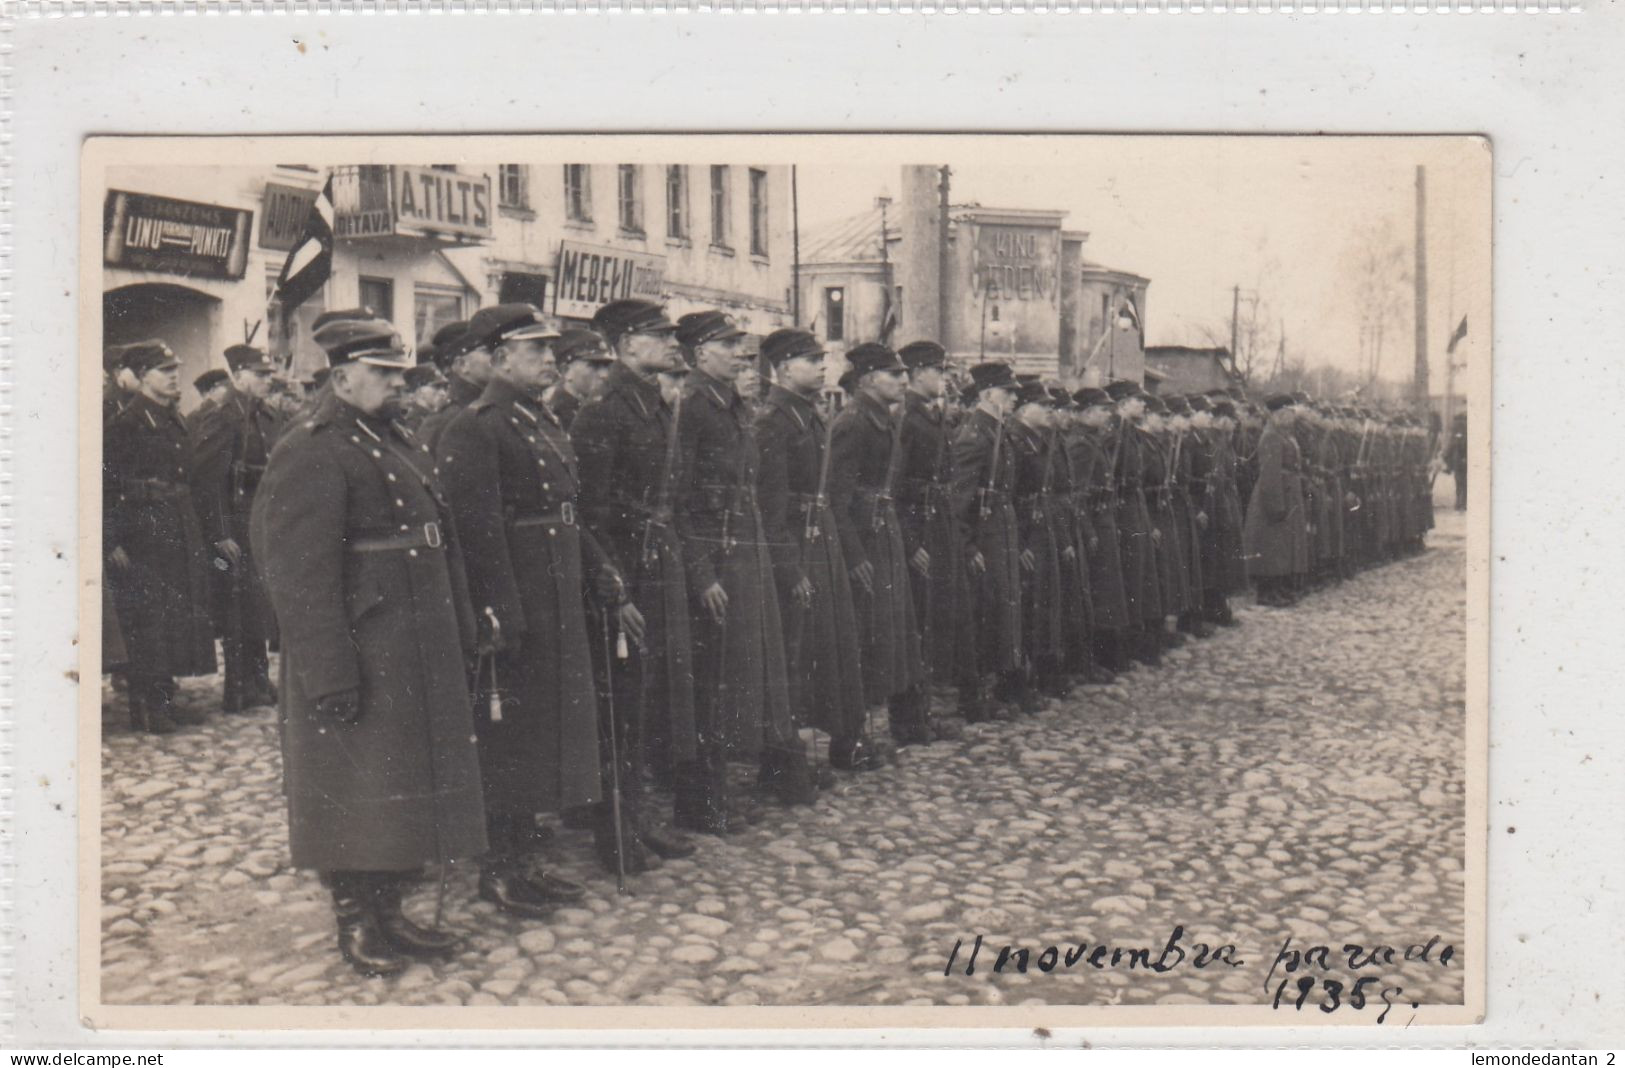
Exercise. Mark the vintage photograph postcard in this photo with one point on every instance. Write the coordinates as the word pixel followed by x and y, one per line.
pixel 818 581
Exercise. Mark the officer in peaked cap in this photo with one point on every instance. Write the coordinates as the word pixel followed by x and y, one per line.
pixel 865 460
pixel 627 445
pixel 512 478
pixel 985 469
pixel 466 363
pixel 158 568
pixel 358 552
pixel 584 361
pixel 230 446
pixel 742 698
pixel 212 386
pixel 1092 445
pixel 815 596
pixel 933 538
pixel 426 393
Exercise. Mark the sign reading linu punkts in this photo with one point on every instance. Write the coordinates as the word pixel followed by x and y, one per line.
pixel 590 276
pixel 152 233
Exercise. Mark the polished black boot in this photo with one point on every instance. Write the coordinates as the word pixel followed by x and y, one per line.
pixel 906 713
pixel 504 885
pixel 700 800
pixel 361 937
pixel 149 712
pixel 666 842
pixel 398 928
pixel 852 754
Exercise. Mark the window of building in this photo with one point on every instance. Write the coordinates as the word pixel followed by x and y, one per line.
pixel 677 223
pixel 628 202
pixel 434 307
pixel 301 353
pixel 379 295
pixel 513 185
pixel 758 212
pixel 523 287
pixel 835 313
pixel 720 201
pixel 578 192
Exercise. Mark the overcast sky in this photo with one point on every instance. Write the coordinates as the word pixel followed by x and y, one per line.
pixel 1276 216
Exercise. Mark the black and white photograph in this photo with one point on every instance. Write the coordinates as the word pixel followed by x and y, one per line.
pixel 899 578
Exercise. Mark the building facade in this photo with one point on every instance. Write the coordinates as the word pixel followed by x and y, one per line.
pixel 993 284
pixel 1181 369
pixel 192 254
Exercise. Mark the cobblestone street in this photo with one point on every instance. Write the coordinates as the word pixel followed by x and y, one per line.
pixel 1299 775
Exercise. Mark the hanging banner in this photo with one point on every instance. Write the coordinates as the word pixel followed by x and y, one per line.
pixel 283 215
pixel 590 276
pixel 152 233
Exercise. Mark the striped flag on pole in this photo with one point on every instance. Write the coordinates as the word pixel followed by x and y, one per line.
pixel 1457 337
pixel 310 260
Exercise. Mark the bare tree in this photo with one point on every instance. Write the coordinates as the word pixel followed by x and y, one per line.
pixel 1377 264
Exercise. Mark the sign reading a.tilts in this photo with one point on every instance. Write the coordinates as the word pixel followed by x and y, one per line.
pixel 590 276
pixel 151 233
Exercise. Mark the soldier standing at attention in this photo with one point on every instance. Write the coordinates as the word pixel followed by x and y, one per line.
pixel 212 386
pixel 985 469
pixel 933 537
pixel 511 477
pixel 1276 524
pixel 1042 630
pixel 627 446
pixel 155 546
pixel 1092 445
pixel 425 395
pixel 865 458
pixel 230 447
pixel 820 623
pixel 1137 537
pixel 741 686
pixel 379 756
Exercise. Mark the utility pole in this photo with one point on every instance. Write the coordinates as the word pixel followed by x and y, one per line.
pixel 943 259
pixel 1235 313
pixel 1420 386
pixel 795 251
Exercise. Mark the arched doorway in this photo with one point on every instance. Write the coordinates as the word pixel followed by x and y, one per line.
pixel 185 318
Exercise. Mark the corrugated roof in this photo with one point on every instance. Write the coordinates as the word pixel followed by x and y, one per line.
pixel 854 239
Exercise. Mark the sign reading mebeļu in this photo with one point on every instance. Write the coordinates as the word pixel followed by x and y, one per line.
pixel 590 276
pixel 152 233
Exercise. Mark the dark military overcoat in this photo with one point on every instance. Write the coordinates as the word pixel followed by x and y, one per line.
pixel 820 639
pixel 1043 626
pixel 943 605
pixel 147 510
pixel 621 442
pixel 1142 577
pixel 1096 494
pixel 862 481
pixel 230 444
pixel 361 561
pixel 984 495
pixel 742 695
pixel 510 476
pixel 1274 538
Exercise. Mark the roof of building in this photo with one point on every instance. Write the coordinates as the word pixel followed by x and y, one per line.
pixel 1160 352
pixel 854 239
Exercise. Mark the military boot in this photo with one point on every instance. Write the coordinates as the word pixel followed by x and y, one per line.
pixel 398 928
pixel 362 940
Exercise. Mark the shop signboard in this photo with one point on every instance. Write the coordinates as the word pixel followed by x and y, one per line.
pixel 590 276
pixel 183 237
pixel 1016 263
pixel 430 201
pixel 283 214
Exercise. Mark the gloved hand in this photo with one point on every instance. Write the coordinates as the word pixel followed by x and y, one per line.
pixel 609 587
pixel 341 707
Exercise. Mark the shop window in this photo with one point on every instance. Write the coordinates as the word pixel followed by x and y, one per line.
pixel 379 295
pixel 293 347
pixel 434 308
pixel 578 192
pixel 677 225
pixel 758 212
pixel 835 313
pixel 521 287
pixel 720 201
pixel 628 202
pixel 513 185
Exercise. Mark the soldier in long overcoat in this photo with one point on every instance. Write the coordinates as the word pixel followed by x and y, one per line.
pixel 1090 445
pixel 865 459
pixel 511 477
pixel 1275 530
pixel 156 552
pixel 741 684
pixel 815 595
pixel 356 546
pixel 1189 517
pixel 933 539
pixel 1043 623
pixel 230 446
pixel 984 494
pixel 626 445
pixel 467 368
pixel 1142 576
pixel 1224 572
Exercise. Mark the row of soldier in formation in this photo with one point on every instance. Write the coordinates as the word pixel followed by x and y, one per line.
pixel 574 588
